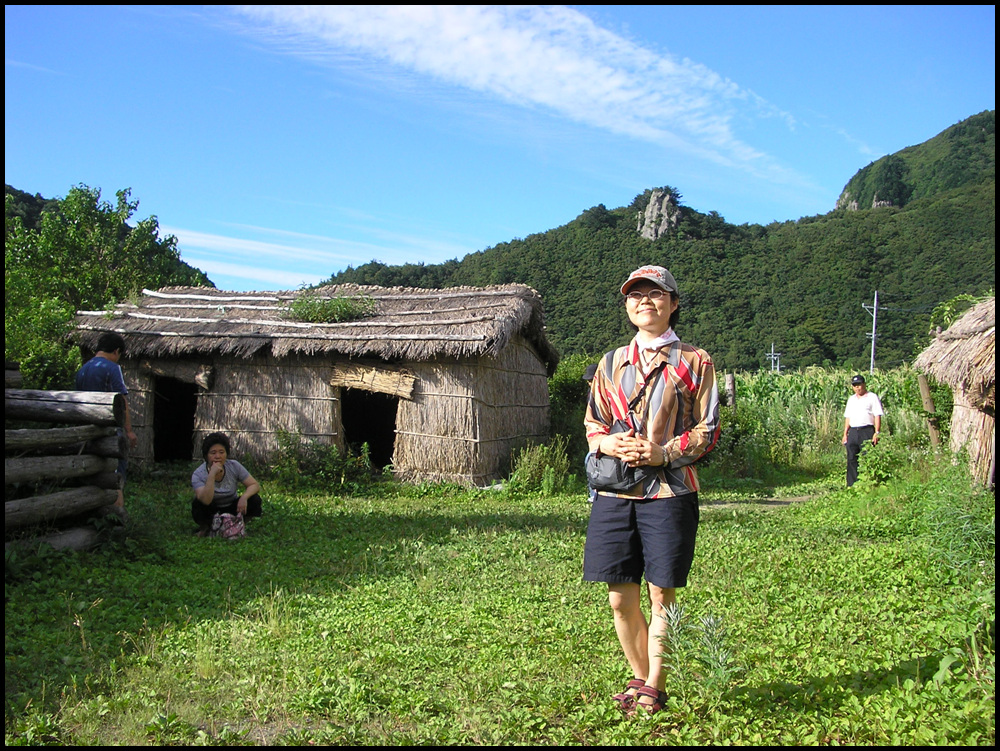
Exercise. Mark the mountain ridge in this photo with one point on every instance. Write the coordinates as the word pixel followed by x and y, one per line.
pixel 799 284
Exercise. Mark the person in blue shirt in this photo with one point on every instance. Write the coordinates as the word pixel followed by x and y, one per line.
pixel 103 373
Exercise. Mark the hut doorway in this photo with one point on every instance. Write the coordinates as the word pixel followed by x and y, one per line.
pixel 174 403
pixel 369 417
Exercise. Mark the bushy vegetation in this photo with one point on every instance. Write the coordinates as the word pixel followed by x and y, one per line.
pixel 303 464
pixel 782 423
pixel 542 468
pixel 312 307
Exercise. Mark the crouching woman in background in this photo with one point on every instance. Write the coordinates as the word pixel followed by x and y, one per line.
pixel 216 485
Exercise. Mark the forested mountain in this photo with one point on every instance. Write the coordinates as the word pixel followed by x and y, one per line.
pixel 800 285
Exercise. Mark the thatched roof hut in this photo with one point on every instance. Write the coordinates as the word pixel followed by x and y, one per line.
pixel 964 357
pixel 441 383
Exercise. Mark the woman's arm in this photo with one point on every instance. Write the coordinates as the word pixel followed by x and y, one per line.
pixel 697 441
pixel 251 487
pixel 206 493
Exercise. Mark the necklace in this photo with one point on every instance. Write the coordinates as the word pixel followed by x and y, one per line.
pixel 646 357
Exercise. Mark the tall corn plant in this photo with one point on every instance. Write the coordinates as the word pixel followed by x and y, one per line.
pixel 781 419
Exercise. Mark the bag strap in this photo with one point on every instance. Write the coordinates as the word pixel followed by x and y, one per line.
pixel 652 377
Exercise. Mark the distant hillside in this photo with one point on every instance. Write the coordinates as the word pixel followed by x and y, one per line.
pixel 800 285
pixel 28 207
pixel 962 155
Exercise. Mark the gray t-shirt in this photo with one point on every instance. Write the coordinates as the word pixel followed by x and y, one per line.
pixel 227 490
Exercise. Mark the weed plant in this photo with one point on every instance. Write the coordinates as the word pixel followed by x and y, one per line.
pixel 542 468
pixel 311 307
pixel 300 463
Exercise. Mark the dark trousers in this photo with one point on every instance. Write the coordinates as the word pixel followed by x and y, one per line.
pixel 856 440
pixel 203 514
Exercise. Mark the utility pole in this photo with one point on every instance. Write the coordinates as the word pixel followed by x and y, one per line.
pixel 873 309
pixel 775 360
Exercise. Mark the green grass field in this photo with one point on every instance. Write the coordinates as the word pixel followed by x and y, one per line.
pixel 436 615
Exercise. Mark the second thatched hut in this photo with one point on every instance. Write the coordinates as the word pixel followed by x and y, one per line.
pixel 441 384
pixel 964 357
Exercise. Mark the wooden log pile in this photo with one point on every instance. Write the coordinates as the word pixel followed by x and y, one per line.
pixel 77 452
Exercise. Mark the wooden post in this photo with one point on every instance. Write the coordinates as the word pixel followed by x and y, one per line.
pixel 112 445
pixel 33 439
pixel 731 390
pixel 925 396
pixel 46 508
pixel 76 407
pixel 41 468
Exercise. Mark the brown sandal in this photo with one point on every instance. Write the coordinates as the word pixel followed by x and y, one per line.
pixel 659 700
pixel 626 700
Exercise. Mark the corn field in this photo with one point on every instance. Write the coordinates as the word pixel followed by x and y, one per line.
pixel 779 421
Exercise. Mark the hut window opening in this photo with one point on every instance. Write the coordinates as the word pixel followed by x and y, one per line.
pixel 174 404
pixel 369 417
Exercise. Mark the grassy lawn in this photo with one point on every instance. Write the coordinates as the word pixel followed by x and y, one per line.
pixel 434 615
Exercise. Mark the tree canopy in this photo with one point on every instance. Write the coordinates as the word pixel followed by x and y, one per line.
pixel 76 253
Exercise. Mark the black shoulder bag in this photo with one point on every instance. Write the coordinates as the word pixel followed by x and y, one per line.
pixel 606 472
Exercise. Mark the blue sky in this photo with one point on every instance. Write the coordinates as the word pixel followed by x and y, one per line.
pixel 282 144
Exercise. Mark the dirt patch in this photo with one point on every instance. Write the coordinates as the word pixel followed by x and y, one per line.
pixel 757 503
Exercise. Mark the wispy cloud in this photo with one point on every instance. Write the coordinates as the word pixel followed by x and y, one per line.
pixel 555 58
pixel 262 277
pixel 17 64
pixel 299 258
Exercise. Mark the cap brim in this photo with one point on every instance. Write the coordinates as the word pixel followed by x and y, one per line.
pixel 631 282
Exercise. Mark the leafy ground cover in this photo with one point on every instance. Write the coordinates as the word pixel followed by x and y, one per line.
pixel 436 615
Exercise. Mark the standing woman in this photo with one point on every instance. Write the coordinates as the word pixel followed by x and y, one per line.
pixel 649 531
pixel 216 485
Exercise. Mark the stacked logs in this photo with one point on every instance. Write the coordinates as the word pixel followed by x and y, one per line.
pixel 84 449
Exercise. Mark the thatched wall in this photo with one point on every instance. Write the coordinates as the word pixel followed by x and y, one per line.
pixel 461 423
pixel 964 357
pixel 974 431
pixel 467 416
pixel 250 400
pixel 253 399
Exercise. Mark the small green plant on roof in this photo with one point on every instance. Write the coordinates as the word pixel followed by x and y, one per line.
pixel 313 308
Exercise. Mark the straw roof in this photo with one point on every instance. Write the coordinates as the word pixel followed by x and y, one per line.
pixel 964 356
pixel 408 324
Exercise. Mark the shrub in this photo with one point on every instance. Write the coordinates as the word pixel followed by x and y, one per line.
pixel 314 308
pixel 542 468
pixel 568 403
pixel 881 462
pixel 299 462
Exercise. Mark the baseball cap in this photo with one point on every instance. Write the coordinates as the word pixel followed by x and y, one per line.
pixel 857 379
pixel 655 274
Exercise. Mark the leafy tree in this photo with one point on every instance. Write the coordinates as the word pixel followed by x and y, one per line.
pixel 81 254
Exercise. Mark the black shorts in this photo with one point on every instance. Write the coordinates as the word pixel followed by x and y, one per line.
pixel 629 538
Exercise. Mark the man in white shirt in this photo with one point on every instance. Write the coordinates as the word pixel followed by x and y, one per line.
pixel 862 423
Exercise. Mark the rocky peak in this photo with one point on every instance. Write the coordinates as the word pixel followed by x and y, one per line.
pixel 661 215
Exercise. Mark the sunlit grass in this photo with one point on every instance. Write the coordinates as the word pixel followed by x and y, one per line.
pixel 433 615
